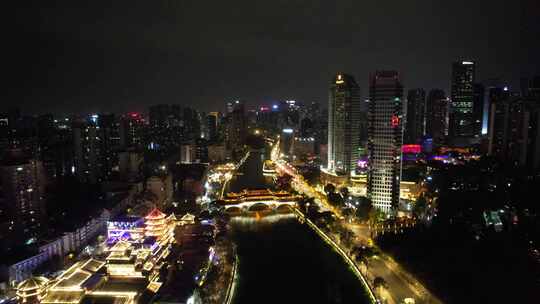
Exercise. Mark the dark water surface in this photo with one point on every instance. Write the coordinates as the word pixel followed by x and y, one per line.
pixel 250 174
pixel 284 261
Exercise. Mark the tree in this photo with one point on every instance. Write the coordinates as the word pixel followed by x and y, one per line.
pixel 379 282
pixel 335 199
pixel 420 206
pixel 307 205
pixel 363 209
pixel 376 216
pixel 329 188
pixel 344 192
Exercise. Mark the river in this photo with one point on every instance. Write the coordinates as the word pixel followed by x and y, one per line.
pixel 283 261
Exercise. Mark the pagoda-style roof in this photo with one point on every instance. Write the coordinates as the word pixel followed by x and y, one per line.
pixel 155 214
pixel 188 217
pixel 120 246
pixel 92 265
pixel 32 283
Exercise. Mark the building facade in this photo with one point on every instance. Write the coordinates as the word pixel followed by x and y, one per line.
pixel 22 181
pixel 344 114
pixel 385 139
pixel 514 131
pixel 131 130
pixel 415 117
pixel 237 128
pixel 478 108
pixel 462 100
pixel 437 116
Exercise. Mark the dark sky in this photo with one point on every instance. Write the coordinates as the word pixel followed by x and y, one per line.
pixel 82 56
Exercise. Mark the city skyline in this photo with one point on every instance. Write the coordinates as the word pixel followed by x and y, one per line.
pixel 89 60
pixel 270 152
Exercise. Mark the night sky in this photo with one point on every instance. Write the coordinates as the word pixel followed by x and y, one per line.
pixel 98 56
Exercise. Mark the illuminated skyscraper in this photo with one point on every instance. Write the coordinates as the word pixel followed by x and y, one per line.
pixel 384 139
pixel 416 106
pixel 343 124
pixel 462 100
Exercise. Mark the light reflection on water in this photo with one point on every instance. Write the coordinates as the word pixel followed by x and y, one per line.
pixel 254 222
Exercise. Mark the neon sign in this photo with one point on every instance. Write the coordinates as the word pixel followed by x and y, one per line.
pixel 395 121
pixel 415 149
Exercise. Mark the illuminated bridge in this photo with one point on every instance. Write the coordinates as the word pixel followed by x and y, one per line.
pixel 261 201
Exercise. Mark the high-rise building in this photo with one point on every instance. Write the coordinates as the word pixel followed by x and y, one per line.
pixel 285 141
pixel 436 116
pixel 462 100
pixel 385 139
pixel 212 120
pixel 88 153
pixel 416 107
pixel 195 151
pixel 499 110
pixel 159 115
pixel 237 130
pixel 530 87
pixel 343 124
pixel 514 131
pixel 129 165
pixel 191 122
pixel 131 130
pixel 109 133
pixel 267 118
pixel 23 207
pixel 478 108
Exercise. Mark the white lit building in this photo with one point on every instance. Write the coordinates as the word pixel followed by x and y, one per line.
pixel 385 135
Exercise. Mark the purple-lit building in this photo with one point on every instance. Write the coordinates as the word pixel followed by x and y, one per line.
pixel 126 228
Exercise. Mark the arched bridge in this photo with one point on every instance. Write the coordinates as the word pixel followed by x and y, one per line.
pixel 249 201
